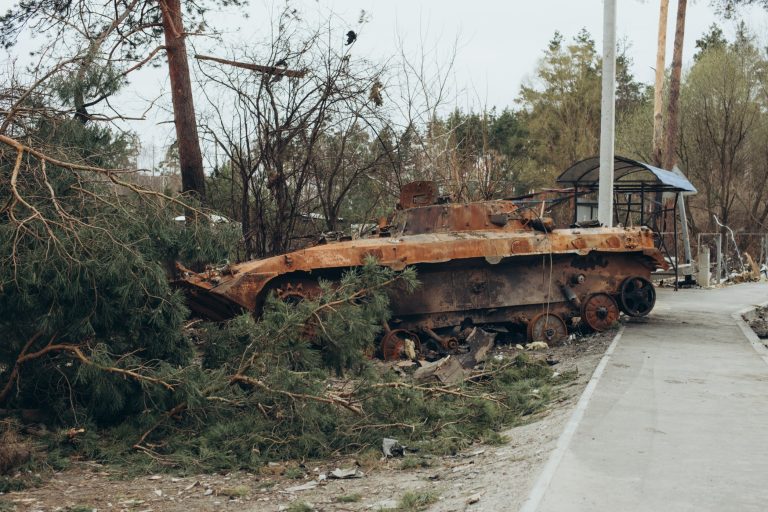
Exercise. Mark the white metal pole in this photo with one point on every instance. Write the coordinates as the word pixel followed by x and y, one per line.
pixel 607 116
pixel 684 228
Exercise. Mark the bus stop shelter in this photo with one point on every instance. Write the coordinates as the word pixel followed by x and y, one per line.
pixel 643 195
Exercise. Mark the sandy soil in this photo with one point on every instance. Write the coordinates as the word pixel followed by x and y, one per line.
pixel 482 478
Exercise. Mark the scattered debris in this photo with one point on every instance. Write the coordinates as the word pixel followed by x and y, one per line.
pixel 480 343
pixel 385 481
pixel 130 503
pixel 346 473
pixel 474 498
pixel 755 274
pixel 303 487
pixel 392 447
pixel 447 370
pixel 74 432
pixel 463 467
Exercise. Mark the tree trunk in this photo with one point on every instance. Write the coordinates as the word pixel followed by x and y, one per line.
pixel 673 108
pixel 190 157
pixel 658 95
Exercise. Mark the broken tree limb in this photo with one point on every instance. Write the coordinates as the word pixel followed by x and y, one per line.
pixel 269 70
pixel 110 174
pixel 17 366
pixel 77 352
pixel 330 399
pixel 176 410
pixel 438 390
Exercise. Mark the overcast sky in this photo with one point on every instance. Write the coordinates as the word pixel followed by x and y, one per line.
pixel 500 42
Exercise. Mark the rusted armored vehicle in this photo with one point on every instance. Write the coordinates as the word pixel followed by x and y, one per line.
pixel 479 263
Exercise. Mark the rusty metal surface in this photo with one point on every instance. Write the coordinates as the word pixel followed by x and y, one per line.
pixel 418 193
pixel 600 311
pixel 549 328
pixel 486 262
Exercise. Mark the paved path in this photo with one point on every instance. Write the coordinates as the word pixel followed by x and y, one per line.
pixel 678 420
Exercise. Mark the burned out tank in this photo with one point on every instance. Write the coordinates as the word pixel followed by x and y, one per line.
pixel 479 263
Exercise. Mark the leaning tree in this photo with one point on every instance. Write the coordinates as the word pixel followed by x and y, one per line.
pixel 96 45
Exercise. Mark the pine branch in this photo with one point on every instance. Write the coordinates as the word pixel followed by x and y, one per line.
pixel 17 366
pixel 109 173
pixel 76 351
pixel 329 399
pixel 439 390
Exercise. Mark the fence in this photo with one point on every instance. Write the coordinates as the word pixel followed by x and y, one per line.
pixel 730 252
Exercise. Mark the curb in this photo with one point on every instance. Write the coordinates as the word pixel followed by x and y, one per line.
pixel 756 342
pixel 544 479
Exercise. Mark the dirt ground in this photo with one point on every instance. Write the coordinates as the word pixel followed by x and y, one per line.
pixel 482 478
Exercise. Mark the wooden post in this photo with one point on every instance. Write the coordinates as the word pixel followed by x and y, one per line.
pixel 765 259
pixel 719 258
pixel 765 244
pixel 703 277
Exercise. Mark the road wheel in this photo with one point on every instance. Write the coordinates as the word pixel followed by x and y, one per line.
pixel 599 312
pixel 548 327
pixel 400 344
pixel 637 296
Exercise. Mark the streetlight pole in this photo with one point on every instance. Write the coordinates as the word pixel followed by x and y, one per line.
pixel 607 115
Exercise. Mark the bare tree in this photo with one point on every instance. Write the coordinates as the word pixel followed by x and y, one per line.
pixel 292 139
pixel 721 136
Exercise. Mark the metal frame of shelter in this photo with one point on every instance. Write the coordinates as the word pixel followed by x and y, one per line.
pixel 638 188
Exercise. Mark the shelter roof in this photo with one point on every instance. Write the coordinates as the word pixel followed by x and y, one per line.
pixel 629 176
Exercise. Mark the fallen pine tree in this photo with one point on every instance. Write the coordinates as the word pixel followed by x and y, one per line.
pixel 96 362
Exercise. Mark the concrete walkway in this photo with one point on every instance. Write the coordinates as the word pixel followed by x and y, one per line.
pixel 678 420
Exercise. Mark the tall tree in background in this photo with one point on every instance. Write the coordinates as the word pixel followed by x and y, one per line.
pixel 100 44
pixel 673 107
pixel 711 40
pixel 486 153
pixel 190 156
pixel 658 91
pixel 561 108
pixel 729 7
pixel 724 133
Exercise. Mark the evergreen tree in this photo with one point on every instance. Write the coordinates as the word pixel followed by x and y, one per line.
pixel 89 318
pixel 713 39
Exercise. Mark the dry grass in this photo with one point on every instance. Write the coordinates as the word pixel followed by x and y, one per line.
pixel 14 452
